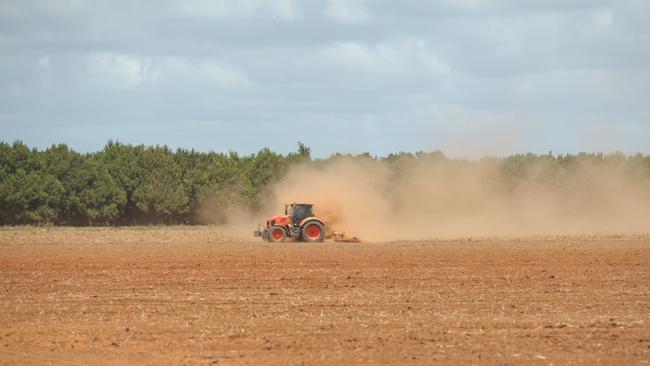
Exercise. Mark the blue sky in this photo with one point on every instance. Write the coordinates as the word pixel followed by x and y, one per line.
pixel 469 77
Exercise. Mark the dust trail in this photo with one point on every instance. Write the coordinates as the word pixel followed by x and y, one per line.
pixel 426 198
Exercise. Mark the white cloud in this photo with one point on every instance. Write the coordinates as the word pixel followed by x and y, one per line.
pixel 119 71
pixel 348 11
pixel 603 18
pixel 123 71
pixel 50 8
pixel 402 57
pixel 44 62
pixel 223 9
pixel 287 9
pixel 183 71
pixel 554 60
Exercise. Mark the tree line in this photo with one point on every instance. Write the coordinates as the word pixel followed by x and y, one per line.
pixel 127 184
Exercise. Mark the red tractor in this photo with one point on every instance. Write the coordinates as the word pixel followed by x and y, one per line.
pixel 297 222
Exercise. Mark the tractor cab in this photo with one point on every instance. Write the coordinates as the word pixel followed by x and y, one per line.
pixel 298 212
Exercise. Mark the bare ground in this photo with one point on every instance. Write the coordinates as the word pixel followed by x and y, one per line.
pixel 201 296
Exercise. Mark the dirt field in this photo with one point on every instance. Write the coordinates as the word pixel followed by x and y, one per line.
pixel 200 296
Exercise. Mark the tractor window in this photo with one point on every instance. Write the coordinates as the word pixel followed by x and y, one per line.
pixel 300 212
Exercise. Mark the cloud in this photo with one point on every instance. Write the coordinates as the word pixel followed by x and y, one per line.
pixel 603 18
pixel 233 9
pixel 348 11
pixel 51 8
pixel 390 72
pixel 401 58
pixel 119 71
pixel 123 71
pixel 44 62
pixel 183 71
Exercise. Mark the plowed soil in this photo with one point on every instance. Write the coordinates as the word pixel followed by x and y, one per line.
pixel 200 296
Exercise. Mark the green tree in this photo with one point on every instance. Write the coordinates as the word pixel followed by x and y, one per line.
pixel 261 171
pixel 101 199
pixel 30 198
pixel 218 184
pixel 126 166
pixel 161 197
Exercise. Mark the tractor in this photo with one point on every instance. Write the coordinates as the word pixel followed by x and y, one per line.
pixel 297 222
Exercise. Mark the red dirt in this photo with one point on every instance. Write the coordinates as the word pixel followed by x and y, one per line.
pixel 197 296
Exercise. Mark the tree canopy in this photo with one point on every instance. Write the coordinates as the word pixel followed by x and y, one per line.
pixel 125 184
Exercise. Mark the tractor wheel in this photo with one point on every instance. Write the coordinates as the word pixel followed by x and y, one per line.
pixel 313 231
pixel 277 234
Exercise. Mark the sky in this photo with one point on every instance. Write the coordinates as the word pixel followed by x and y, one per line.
pixel 468 77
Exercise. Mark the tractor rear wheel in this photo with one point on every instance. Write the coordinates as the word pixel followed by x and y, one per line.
pixel 277 234
pixel 313 231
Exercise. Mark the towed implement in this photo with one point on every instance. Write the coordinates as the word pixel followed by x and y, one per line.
pixel 298 222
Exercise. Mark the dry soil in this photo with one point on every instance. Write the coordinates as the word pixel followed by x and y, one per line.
pixel 197 295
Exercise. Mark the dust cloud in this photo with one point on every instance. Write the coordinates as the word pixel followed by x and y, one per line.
pixel 442 198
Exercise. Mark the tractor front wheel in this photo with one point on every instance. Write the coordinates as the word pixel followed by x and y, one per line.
pixel 277 234
pixel 313 231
